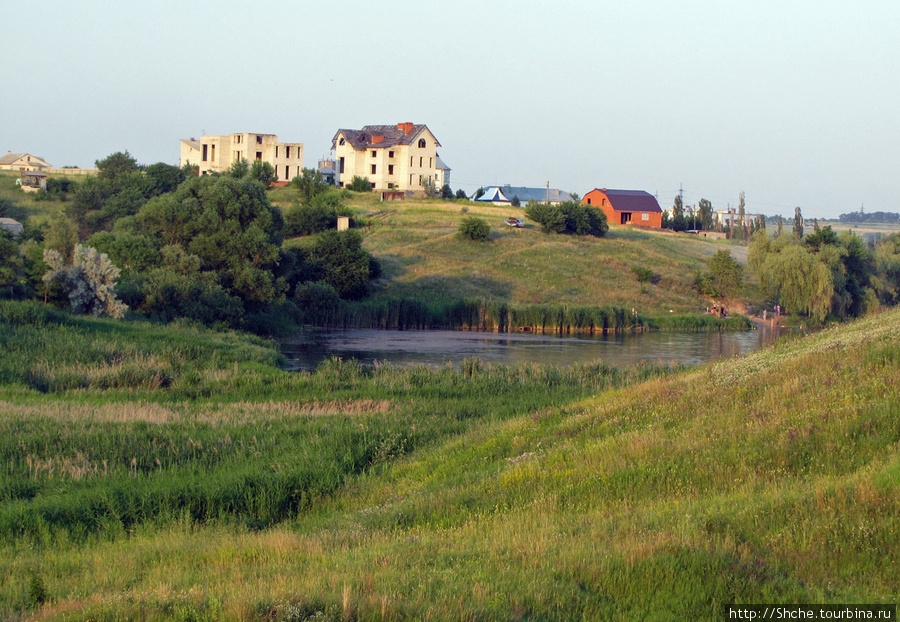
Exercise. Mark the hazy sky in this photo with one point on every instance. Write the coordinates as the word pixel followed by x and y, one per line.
pixel 794 102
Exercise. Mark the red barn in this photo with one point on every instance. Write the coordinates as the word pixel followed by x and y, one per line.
pixel 626 207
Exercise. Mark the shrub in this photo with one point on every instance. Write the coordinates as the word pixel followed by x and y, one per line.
pixel 90 280
pixel 474 228
pixel 568 217
pixel 319 215
pixel 360 184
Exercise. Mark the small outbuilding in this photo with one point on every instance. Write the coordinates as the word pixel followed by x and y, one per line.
pixel 32 181
pixel 626 207
pixel 13 226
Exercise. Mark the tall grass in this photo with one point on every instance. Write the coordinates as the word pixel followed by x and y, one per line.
pixel 238 439
pixel 471 493
pixel 498 316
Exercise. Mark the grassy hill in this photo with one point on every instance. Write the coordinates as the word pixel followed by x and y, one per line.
pixel 547 495
pixel 422 256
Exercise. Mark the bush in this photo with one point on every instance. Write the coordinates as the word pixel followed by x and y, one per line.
pixel 568 217
pixel 474 228
pixel 360 184
pixel 338 259
pixel 319 215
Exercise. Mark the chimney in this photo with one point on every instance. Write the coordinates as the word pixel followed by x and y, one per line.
pixel 377 139
pixel 406 127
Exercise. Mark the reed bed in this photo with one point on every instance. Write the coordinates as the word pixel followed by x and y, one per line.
pixel 495 316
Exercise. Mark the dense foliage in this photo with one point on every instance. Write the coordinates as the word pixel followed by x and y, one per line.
pixel 568 217
pixel 823 273
pixel 208 248
pixel 360 184
pixel 474 228
pixel 724 279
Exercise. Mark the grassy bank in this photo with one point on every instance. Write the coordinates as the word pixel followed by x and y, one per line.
pixel 473 494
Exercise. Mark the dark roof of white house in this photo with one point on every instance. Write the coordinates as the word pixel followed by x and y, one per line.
pixel 390 135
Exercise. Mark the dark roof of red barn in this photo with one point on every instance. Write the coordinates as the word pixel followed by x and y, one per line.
pixel 631 200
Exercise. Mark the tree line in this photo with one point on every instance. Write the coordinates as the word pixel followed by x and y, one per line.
pixel 166 243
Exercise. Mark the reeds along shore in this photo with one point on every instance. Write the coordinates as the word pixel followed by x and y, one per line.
pixel 491 316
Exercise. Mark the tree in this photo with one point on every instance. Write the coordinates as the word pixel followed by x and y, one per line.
pixel 461 194
pixel 742 213
pixel 798 223
pixel 263 172
pixel 62 235
pixel 479 193
pixel 677 221
pixel 239 169
pixel 446 192
pixel 727 275
pixel 474 228
pixel 229 224
pixel 310 183
pixel 338 259
pixel 116 165
pixel 89 280
pixel 515 201
pixel 10 263
pixel 430 188
pixel 360 184
pixel 163 178
pixel 705 213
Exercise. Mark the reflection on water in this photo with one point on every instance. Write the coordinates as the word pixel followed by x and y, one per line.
pixel 442 347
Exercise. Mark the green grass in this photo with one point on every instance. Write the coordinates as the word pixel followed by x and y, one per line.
pixel 480 493
pixel 424 257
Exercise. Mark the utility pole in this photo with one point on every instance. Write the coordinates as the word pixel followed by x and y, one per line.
pixel 548 193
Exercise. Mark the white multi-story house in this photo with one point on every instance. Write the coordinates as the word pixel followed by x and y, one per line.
pixel 218 153
pixel 400 157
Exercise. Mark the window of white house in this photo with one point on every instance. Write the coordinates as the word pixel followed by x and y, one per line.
pixel 390 154
pixel 287 152
pixel 421 143
pixel 373 169
pixel 374 153
pixel 259 155
pixel 276 151
pixel 420 161
pixel 645 216
pixel 259 140
pixel 341 142
pixel 390 169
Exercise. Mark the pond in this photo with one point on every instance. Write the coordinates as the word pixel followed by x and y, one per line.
pixel 438 347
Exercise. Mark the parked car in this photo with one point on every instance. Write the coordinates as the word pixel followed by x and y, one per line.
pixel 515 222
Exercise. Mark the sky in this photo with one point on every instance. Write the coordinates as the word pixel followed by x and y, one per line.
pixel 793 102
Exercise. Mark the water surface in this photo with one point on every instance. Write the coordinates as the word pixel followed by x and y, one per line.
pixel 438 347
